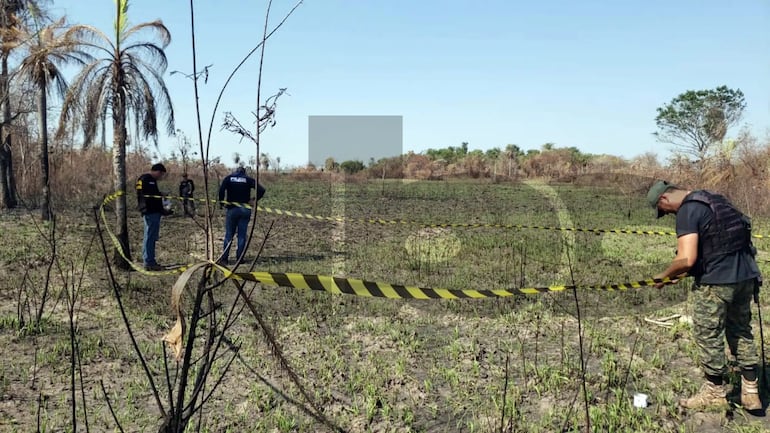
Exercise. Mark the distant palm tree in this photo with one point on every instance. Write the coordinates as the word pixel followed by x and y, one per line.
pixel 125 78
pixel 48 49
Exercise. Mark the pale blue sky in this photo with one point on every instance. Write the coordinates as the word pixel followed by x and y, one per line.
pixel 585 73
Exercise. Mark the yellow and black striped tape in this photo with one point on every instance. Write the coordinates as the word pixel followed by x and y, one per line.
pixel 461 225
pixel 441 225
pixel 357 287
pixel 373 289
pixel 119 247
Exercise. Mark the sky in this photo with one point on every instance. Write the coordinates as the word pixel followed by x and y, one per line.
pixel 588 74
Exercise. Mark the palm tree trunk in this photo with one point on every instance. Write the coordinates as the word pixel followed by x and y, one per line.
pixel 42 114
pixel 7 179
pixel 119 176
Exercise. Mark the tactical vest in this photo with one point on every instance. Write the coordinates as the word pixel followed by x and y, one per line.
pixel 730 230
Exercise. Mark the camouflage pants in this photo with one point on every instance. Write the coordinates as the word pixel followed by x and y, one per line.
pixel 719 312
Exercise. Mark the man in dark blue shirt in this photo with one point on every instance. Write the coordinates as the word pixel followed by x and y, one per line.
pixel 236 191
pixel 151 206
pixel 714 246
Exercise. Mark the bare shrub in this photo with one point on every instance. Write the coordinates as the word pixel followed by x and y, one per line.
pixel 78 176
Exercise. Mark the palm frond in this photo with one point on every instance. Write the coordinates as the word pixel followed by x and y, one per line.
pixel 12 37
pixel 98 91
pixel 153 30
pixel 59 82
pixel 73 105
pixel 141 103
pixel 148 53
pixel 150 80
pixel 91 39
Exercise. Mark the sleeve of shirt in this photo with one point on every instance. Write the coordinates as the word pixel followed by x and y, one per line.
pixel 691 217
pixel 222 188
pixel 192 186
pixel 141 200
pixel 260 191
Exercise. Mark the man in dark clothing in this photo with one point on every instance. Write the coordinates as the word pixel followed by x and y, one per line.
pixel 714 246
pixel 151 207
pixel 186 189
pixel 237 187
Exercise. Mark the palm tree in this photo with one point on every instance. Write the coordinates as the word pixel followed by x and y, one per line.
pixel 10 11
pixel 47 50
pixel 125 78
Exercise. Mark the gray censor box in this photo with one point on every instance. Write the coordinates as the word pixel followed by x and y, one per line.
pixel 354 138
pixel 350 138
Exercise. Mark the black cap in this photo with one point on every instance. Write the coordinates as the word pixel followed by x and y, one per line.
pixel 158 167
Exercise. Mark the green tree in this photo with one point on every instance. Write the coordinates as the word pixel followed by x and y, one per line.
pixel 351 167
pixel 696 119
pixel 493 153
pixel 577 157
pixel 126 81
pixel 532 152
pixel 449 154
pixel 48 50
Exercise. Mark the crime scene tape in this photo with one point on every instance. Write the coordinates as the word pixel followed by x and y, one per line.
pixel 373 289
pixel 357 287
pixel 119 248
pixel 436 225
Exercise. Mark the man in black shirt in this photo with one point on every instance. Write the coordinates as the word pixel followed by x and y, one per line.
pixel 237 187
pixel 151 207
pixel 186 189
pixel 714 246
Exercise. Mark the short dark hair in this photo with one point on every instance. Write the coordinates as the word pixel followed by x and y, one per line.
pixel 158 167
